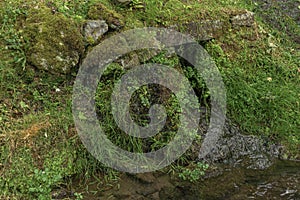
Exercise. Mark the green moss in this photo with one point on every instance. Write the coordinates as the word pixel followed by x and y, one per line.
pixel 55 41
pixel 112 18
pixel 170 12
pixel 131 21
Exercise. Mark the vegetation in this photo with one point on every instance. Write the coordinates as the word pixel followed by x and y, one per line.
pixel 194 174
pixel 39 148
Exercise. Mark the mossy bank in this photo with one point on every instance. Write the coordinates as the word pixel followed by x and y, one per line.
pixel 42 45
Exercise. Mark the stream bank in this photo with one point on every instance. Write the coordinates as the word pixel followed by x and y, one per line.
pixel 42 45
pixel 280 181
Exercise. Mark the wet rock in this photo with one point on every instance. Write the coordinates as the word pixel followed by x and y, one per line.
pixel 94 29
pixel 235 148
pixel 56 41
pixel 245 19
pixel 259 161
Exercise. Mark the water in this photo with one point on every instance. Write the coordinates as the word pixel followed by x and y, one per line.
pixel 280 181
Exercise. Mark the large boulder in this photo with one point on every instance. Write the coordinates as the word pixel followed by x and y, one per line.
pixel 55 41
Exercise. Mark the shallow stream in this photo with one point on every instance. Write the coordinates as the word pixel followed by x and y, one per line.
pixel 280 181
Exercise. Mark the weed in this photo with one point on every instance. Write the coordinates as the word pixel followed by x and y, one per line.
pixel 193 173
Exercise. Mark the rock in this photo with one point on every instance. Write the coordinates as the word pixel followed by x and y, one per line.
pixel 137 57
pixel 56 43
pixel 100 12
pixel 236 149
pixel 205 29
pixel 259 161
pixel 245 19
pixel 94 29
pixel 129 61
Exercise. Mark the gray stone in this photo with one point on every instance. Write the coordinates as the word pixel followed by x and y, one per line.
pixel 245 19
pixel 129 61
pixel 259 161
pixel 205 29
pixel 234 148
pixel 94 29
pixel 136 58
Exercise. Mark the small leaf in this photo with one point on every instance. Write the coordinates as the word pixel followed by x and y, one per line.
pixel 23 105
pixel 81 116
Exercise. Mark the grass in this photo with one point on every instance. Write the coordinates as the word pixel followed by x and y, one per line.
pixel 262 84
pixel 40 150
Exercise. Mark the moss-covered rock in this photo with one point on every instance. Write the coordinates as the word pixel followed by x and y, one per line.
pixel 55 41
pixel 112 18
pixel 94 30
pixel 206 29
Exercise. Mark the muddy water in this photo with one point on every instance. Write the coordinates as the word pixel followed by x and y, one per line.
pixel 280 181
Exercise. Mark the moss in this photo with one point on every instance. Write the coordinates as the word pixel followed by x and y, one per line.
pixel 112 18
pixel 132 22
pixel 55 41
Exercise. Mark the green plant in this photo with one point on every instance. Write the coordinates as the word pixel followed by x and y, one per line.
pixel 136 4
pixel 261 84
pixel 194 172
pixel 12 41
pixel 78 196
pixel 76 9
pixel 42 181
